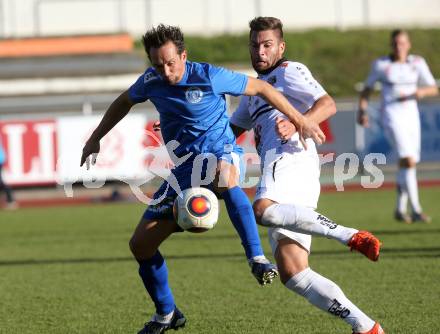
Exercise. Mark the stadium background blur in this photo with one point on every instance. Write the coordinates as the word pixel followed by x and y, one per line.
pixel 60 67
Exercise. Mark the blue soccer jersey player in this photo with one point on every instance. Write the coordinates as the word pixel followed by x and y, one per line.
pixel 190 99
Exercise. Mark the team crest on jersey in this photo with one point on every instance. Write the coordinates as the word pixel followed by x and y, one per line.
pixel 194 94
pixel 149 76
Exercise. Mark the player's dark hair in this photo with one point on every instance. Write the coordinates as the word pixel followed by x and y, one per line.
pixel 397 32
pixel 263 23
pixel 162 34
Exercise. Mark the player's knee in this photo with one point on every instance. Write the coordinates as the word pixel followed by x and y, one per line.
pixel 140 248
pixel 134 245
pixel 269 215
pixel 291 259
pixel 264 216
pixel 226 177
pixel 288 271
pixel 258 212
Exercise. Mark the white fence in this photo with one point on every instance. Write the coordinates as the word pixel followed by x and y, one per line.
pixel 20 18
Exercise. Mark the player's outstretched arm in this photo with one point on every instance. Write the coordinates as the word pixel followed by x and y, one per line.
pixel 306 128
pixel 117 111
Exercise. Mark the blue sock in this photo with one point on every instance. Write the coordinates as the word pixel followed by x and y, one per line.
pixel 154 274
pixel 242 217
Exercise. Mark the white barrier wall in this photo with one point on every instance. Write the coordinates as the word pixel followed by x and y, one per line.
pixel 64 17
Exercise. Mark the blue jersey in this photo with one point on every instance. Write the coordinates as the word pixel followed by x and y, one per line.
pixel 193 111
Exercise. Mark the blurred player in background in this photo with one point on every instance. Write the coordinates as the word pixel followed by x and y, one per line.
pixel 289 187
pixel 10 203
pixel 190 99
pixel 405 78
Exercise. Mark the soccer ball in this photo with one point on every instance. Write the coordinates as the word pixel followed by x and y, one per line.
pixel 196 210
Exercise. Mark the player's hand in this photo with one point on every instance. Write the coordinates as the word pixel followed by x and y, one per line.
pixel 363 119
pixel 310 129
pixel 284 128
pixel 90 152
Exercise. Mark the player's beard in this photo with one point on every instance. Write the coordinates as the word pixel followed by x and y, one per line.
pixel 171 81
pixel 268 65
pixel 260 64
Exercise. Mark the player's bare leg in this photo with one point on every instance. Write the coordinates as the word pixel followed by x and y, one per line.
pixel 407 189
pixel 148 235
pixel 301 219
pixel 241 214
pixel 296 275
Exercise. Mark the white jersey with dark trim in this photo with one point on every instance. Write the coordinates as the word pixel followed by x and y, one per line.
pixel 295 81
pixel 399 80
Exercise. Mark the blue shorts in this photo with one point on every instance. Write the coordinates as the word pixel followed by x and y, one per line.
pixel 194 174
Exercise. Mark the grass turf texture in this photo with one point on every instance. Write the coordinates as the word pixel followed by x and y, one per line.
pixel 338 59
pixel 69 270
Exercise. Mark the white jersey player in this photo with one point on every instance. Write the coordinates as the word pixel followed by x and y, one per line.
pixel 404 78
pixel 289 187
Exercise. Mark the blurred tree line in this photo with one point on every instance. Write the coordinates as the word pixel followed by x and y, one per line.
pixel 338 59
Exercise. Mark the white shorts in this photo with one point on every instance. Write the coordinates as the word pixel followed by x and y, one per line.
pixel 292 179
pixel 405 136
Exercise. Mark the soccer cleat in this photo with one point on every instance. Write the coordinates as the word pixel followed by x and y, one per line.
pixel 377 329
pixel 265 272
pixel 153 327
pixel 420 217
pixel 402 217
pixel 365 243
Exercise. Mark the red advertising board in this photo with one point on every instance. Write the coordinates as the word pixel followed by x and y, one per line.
pixel 31 151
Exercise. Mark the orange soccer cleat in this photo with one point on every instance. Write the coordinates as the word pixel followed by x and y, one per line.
pixel 377 329
pixel 365 243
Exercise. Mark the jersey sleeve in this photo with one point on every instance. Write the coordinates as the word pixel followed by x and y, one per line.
pixel 425 76
pixel 301 85
pixel 138 92
pixel 241 116
pixel 224 81
pixel 373 76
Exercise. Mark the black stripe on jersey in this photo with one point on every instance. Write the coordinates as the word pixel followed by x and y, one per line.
pixel 274 167
pixel 261 107
pixel 261 112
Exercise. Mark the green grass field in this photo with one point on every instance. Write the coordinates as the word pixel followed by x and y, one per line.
pixel 69 270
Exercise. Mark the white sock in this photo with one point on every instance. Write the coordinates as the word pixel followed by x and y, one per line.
pixel 327 296
pixel 163 318
pixel 402 191
pixel 413 191
pixel 304 220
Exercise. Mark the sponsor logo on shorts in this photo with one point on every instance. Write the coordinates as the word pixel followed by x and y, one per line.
pixel 338 310
pixel 326 222
pixel 163 207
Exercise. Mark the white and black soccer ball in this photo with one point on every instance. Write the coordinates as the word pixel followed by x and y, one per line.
pixel 196 210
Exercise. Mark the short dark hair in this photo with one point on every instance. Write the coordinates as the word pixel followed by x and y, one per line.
pixel 397 32
pixel 162 34
pixel 263 23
